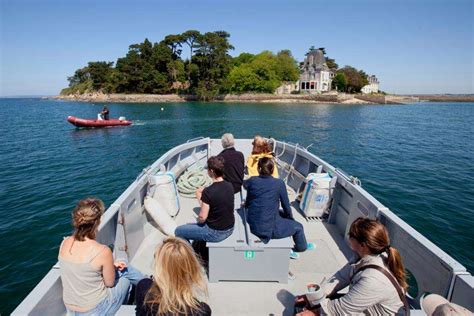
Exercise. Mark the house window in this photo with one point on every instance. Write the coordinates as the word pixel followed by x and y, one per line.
pixel 311 86
pixel 302 86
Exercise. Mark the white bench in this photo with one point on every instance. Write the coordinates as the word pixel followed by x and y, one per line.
pixel 244 257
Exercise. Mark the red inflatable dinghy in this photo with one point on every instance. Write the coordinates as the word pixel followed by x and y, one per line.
pixel 96 123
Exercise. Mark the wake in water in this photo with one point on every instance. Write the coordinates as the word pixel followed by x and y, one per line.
pixel 139 123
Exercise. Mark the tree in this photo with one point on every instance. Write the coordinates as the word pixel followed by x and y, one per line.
pixel 99 73
pixel 339 82
pixel 161 56
pixel 213 62
pixel 144 49
pixel 189 37
pixel 243 79
pixel 355 79
pixel 80 75
pixel 263 72
pixel 243 58
pixel 331 64
pixel 174 42
pixel 130 68
pixel 287 66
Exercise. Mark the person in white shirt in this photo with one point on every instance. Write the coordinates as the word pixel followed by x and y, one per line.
pixel 376 277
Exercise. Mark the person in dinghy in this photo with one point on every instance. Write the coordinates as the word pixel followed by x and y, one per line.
pixel 104 115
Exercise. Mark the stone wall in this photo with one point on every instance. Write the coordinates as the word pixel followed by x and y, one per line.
pixel 376 98
pixel 386 99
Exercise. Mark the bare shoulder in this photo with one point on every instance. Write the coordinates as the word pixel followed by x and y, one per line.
pixel 104 254
pixel 65 244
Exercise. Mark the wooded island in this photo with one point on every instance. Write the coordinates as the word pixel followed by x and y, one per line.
pixel 200 65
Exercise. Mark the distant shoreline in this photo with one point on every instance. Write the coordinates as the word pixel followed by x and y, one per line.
pixel 445 97
pixel 340 98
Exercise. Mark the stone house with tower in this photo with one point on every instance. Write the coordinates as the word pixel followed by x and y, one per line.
pixel 315 75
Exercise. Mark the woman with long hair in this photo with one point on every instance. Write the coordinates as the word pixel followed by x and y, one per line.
pixel 376 277
pixel 261 148
pixel 178 284
pixel 93 284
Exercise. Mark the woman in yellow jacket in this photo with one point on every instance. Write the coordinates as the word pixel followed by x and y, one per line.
pixel 260 149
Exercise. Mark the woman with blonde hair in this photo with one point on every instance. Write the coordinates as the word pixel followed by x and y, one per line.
pixel 178 284
pixel 376 277
pixel 93 284
pixel 261 148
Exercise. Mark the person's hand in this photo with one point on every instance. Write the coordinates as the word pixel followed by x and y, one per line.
pixel 199 193
pixel 300 299
pixel 120 265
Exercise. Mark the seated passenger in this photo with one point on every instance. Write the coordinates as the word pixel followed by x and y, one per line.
pixel 233 162
pixel 264 194
pixel 178 284
pixel 436 305
pixel 260 149
pixel 93 284
pixel 371 291
pixel 216 218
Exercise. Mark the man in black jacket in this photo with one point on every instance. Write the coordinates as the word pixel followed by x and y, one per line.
pixel 105 113
pixel 234 162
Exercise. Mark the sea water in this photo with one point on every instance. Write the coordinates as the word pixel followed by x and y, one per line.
pixel 417 159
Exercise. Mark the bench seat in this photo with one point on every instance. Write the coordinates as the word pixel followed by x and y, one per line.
pixel 244 257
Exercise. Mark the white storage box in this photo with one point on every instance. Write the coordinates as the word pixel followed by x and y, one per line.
pixel 316 195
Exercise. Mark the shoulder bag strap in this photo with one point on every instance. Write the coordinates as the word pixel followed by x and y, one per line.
pixel 394 282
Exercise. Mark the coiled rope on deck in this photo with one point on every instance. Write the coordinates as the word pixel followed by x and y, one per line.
pixel 191 180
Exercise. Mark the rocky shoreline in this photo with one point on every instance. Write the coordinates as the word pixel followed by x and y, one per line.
pixel 335 98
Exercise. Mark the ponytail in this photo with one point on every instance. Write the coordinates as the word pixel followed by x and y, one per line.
pixel 374 234
pixel 395 265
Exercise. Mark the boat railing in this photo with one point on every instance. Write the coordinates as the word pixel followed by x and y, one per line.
pixel 194 139
pixel 433 270
pixel 425 261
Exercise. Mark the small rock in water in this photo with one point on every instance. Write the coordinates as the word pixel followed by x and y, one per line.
pixel 162 109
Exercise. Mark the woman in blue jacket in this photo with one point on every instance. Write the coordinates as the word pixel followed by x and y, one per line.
pixel 264 194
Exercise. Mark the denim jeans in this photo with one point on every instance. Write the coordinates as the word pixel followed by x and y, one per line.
pixel 202 232
pixel 116 295
pixel 299 238
pixel 285 227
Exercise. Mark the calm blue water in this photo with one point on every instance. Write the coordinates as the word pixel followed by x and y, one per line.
pixel 416 159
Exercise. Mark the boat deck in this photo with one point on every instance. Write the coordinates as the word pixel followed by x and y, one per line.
pixel 261 298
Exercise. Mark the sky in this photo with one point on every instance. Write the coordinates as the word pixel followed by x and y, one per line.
pixel 412 46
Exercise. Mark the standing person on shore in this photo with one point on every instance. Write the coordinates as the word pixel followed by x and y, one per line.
pixel 93 284
pixel 264 194
pixel 178 284
pixel 216 218
pixel 376 278
pixel 234 162
pixel 260 149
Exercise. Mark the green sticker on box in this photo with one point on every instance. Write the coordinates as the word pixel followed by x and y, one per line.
pixel 249 255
